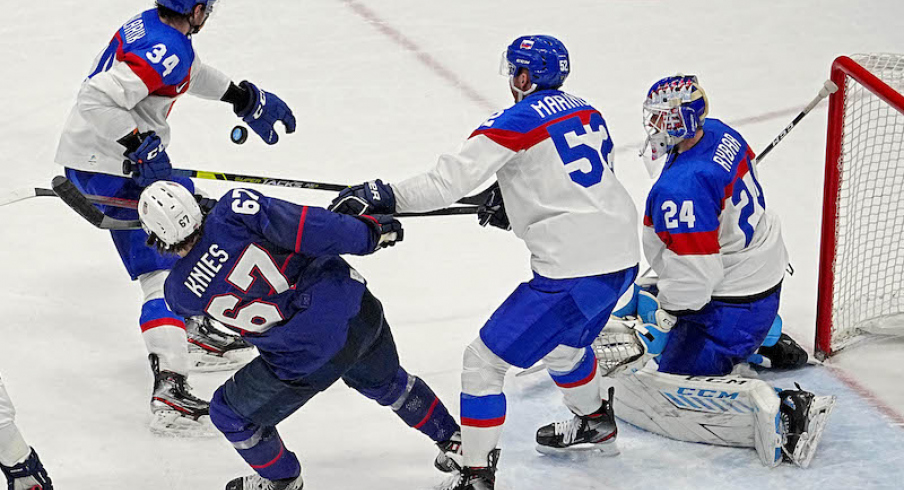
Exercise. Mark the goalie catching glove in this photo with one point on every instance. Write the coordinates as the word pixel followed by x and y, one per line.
pixel 627 345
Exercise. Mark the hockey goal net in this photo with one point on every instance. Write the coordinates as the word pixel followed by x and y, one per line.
pixel 861 264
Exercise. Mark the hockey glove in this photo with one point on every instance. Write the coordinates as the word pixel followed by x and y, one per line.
pixel 386 230
pixel 373 197
pixel 492 211
pixel 28 474
pixel 147 159
pixel 261 112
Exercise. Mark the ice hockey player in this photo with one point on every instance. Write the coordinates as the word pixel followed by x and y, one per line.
pixel 20 463
pixel 121 113
pixel 720 258
pixel 551 153
pixel 270 270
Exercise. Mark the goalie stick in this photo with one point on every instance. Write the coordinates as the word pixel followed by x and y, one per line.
pixel 828 88
pixel 475 200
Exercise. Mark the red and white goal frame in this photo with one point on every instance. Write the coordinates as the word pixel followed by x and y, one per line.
pixel 861 263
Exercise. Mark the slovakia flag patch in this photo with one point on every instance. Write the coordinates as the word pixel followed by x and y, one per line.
pixel 527 44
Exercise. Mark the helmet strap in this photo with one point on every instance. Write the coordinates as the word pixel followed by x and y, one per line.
pixel 521 94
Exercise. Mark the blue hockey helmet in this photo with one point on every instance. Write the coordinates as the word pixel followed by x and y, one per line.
pixel 674 109
pixel 545 58
pixel 186 6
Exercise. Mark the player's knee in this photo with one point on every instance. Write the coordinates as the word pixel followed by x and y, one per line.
pixel 483 372
pixel 389 392
pixel 226 420
pixel 564 359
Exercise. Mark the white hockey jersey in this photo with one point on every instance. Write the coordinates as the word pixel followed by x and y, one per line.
pixel 550 153
pixel 133 83
pixel 707 232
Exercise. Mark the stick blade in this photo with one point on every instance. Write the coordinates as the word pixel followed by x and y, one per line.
pixel 74 198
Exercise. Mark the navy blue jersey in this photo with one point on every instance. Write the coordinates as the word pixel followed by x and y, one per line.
pixel 271 271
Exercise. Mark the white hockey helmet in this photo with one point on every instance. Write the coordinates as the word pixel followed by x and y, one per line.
pixel 169 212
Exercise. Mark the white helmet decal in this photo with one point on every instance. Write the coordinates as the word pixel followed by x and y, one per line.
pixel 168 211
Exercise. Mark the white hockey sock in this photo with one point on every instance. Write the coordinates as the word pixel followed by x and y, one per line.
pixel 483 405
pixel 575 373
pixel 163 331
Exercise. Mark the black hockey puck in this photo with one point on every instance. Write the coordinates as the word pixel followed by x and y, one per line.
pixel 239 135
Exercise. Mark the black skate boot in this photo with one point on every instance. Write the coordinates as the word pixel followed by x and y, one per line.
pixel 449 457
pixel 803 417
pixel 785 354
pixel 27 475
pixel 475 478
pixel 257 482
pixel 596 431
pixel 211 349
pixel 175 411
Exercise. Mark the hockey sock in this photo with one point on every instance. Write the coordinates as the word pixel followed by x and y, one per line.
pixel 417 405
pixel 164 335
pixel 261 447
pixel 481 426
pixel 580 384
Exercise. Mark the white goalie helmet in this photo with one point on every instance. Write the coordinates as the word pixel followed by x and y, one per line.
pixel 169 212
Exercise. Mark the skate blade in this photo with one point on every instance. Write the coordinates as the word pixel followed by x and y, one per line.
pixel 607 448
pixel 206 362
pixel 818 416
pixel 169 423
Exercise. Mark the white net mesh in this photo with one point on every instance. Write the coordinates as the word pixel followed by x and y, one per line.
pixel 869 261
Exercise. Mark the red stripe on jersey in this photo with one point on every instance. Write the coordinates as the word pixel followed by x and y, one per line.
pixel 743 169
pixel 143 69
pixel 162 322
pixel 304 214
pixel 698 243
pixel 516 141
pixel 175 90
pixel 483 423
pixel 647 221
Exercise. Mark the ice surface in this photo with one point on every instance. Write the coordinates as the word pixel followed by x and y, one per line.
pixel 380 89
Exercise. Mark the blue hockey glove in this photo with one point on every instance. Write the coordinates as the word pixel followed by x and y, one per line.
pixel 387 230
pixel 147 159
pixel 492 211
pixel 373 197
pixel 262 111
pixel 28 474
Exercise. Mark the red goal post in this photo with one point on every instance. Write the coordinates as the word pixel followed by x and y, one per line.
pixel 861 262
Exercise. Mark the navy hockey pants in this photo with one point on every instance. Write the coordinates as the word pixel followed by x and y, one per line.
pixel 251 403
pixel 711 341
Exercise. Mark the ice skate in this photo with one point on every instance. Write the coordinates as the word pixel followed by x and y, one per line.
pixel 594 432
pixel 449 457
pixel 174 410
pixel 27 475
pixel 256 482
pixel 474 478
pixel 210 349
pixel 784 354
pixel 804 418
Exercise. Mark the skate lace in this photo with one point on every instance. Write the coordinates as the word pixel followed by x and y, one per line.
pixel 569 429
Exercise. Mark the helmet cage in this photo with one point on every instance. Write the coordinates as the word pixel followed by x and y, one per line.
pixel 674 110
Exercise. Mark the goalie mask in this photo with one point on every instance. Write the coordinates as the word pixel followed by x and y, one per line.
pixel 169 212
pixel 674 109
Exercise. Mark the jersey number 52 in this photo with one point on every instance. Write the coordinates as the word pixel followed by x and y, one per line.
pixel 583 149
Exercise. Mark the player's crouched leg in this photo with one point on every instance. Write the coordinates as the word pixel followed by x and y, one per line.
pixel 378 376
pixel 259 444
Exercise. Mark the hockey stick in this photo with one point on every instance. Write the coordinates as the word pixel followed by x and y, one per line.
pixel 828 88
pixel 29 192
pixel 474 200
pixel 81 205
pixel 84 206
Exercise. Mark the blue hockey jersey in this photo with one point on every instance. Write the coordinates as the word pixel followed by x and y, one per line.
pixel 271 271
pixel 707 231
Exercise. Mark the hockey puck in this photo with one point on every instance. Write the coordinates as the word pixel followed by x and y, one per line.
pixel 239 135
